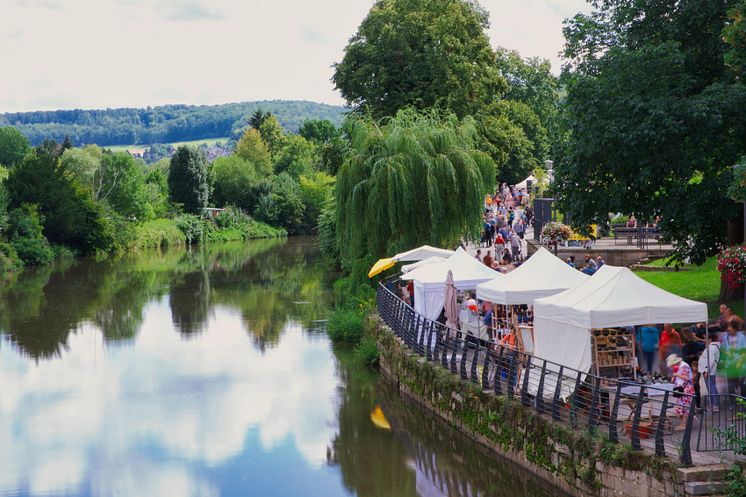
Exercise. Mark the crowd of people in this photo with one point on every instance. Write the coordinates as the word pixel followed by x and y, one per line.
pixel 507 217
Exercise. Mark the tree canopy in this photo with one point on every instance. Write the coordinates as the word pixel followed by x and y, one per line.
pixel 417 178
pixel 655 119
pixel 188 180
pixel 13 146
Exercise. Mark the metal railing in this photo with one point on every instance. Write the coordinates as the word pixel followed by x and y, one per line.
pixel 650 417
pixel 722 424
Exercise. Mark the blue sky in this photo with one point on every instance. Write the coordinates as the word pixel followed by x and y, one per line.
pixel 114 53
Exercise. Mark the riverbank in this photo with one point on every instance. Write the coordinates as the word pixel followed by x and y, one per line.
pixel 580 462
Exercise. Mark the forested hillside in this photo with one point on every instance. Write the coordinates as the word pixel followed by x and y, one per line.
pixel 164 124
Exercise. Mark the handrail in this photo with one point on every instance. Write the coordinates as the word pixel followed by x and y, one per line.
pixel 578 398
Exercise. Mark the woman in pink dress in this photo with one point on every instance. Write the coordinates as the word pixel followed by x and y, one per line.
pixel 683 385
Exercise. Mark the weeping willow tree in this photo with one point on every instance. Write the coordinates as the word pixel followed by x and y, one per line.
pixel 410 180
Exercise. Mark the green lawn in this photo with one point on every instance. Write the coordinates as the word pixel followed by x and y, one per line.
pixel 697 283
pixel 206 141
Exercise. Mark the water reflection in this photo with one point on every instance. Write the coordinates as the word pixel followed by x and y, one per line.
pixel 198 373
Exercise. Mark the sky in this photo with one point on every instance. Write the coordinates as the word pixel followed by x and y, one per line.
pixel 60 54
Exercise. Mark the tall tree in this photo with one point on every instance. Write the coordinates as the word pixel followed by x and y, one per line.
pixel 188 179
pixel 251 148
pixel 655 119
pixel 421 53
pixel 416 179
pixel 13 146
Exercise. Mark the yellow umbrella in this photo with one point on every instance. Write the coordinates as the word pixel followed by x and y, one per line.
pixel 381 266
pixel 379 419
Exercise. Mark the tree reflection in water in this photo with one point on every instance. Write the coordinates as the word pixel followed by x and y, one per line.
pixel 262 280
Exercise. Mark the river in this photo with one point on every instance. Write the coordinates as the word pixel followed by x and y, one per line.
pixel 206 372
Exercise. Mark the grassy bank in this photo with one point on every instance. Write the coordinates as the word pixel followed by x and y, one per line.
pixel 700 283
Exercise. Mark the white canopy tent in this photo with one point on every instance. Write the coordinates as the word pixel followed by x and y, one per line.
pixel 430 281
pixel 524 184
pixel 421 253
pixel 543 274
pixel 613 296
pixel 424 262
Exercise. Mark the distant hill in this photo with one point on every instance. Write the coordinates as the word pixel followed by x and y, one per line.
pixel 163 124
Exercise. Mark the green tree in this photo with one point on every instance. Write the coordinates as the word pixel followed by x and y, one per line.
pixel 85 166
pixel 319 131
pixel 315 191
pixel 297 156
pixel 272 134
pixel 123 186
pixel 233 182
pixel 420 53
pixel 655 119
pixel 13 146
pixel 734 34
pixel 71 217
pixel 282 205
pixel 188 179
pixel 25 233
pixel 416 179
pixel 251 148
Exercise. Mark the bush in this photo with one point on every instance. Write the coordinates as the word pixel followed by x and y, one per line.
pixel 159 233
pixel 33 251
pixel 193 227
pixel 25 233
pixel 367 351
pixel 9 260
pixel 346 325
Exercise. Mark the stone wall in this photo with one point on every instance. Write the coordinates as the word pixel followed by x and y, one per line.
pixel 619 255
pixel 576 462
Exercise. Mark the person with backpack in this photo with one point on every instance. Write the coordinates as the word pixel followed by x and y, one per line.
pixel 708 366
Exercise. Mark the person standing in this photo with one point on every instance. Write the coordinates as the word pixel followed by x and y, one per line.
pixel 648 337
pixel 520 228
pixel 515 245
pixel 708 366
pixel 670 344
pixel 683 381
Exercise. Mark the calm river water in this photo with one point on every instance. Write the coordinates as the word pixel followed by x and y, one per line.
pixel 204 373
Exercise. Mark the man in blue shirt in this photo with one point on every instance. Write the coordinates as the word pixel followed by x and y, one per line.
pixel 648 337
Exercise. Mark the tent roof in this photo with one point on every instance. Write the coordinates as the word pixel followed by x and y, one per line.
pixel 524 183
pixel 424 262
pixel 615 296
pixel 543 274
pixel 421 253
pixel 467 271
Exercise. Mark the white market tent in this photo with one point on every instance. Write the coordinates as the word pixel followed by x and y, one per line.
pixel 430 281
pixel 421 253
pixel 543 274
pixel 524 184
pixel 424 262
pixel 613 296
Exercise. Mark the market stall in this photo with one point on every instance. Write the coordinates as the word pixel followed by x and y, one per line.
pixel 430 280
pixel 543 274
pixel 585 326
pixel 418 254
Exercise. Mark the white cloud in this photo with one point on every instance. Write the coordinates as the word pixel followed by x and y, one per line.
pixel 95 407
pixel 113 53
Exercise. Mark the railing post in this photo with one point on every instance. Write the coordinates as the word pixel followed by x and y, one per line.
pixel 660 447
pixel 557 393
pixel 499 371
pixel 686 451
pixel 454 345
pixel 574 406
pixel 524 388
pixel 428 344
pixel 464 353
pixel 592 422
pixel 475 359
pixel 444 351
pixel 540 389
pixel 486 370
pixel 613 432
pixel 635 434
pixel 419 334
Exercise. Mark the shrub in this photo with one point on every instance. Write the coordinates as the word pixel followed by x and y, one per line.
pixel 33 251
pixel 25 233
pixel 192 226
pixel 9 260
pixel 346 325
pixel 158 233
pixel 367 351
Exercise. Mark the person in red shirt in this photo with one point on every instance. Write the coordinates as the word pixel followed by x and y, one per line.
pixel 670 343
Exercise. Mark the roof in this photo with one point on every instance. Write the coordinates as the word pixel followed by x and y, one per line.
pixel 421 253
pixel 467 271
pixel 543 274
pixel 615 296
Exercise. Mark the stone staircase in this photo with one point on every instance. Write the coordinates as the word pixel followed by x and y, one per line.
pixel 703 480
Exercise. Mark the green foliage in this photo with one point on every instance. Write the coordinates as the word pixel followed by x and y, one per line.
pixel 25 234
pixel 272 134
pixel 123 186
pixel 315 191
pixel 346 325
pixel 734 34
pixel 84 164
pixel 158 233
pixel 233 181
pixel 282 205
pixel 421 53
pixel 3 173
pixel 13 146
pixel 327 229
pixel 192 226
pixel 188 181
pixel 162 124
pixel 4 201
pixel 251 148
pixel 655 120
pixel 71 217
pixel 367 351
pixel 737 188
pixel 297 156
pixel 156 191
pixel 319 131
pixel 9 260
pixel 416 179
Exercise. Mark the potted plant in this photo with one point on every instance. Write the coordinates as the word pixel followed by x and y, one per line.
pixel 732 265
pixel 556 232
